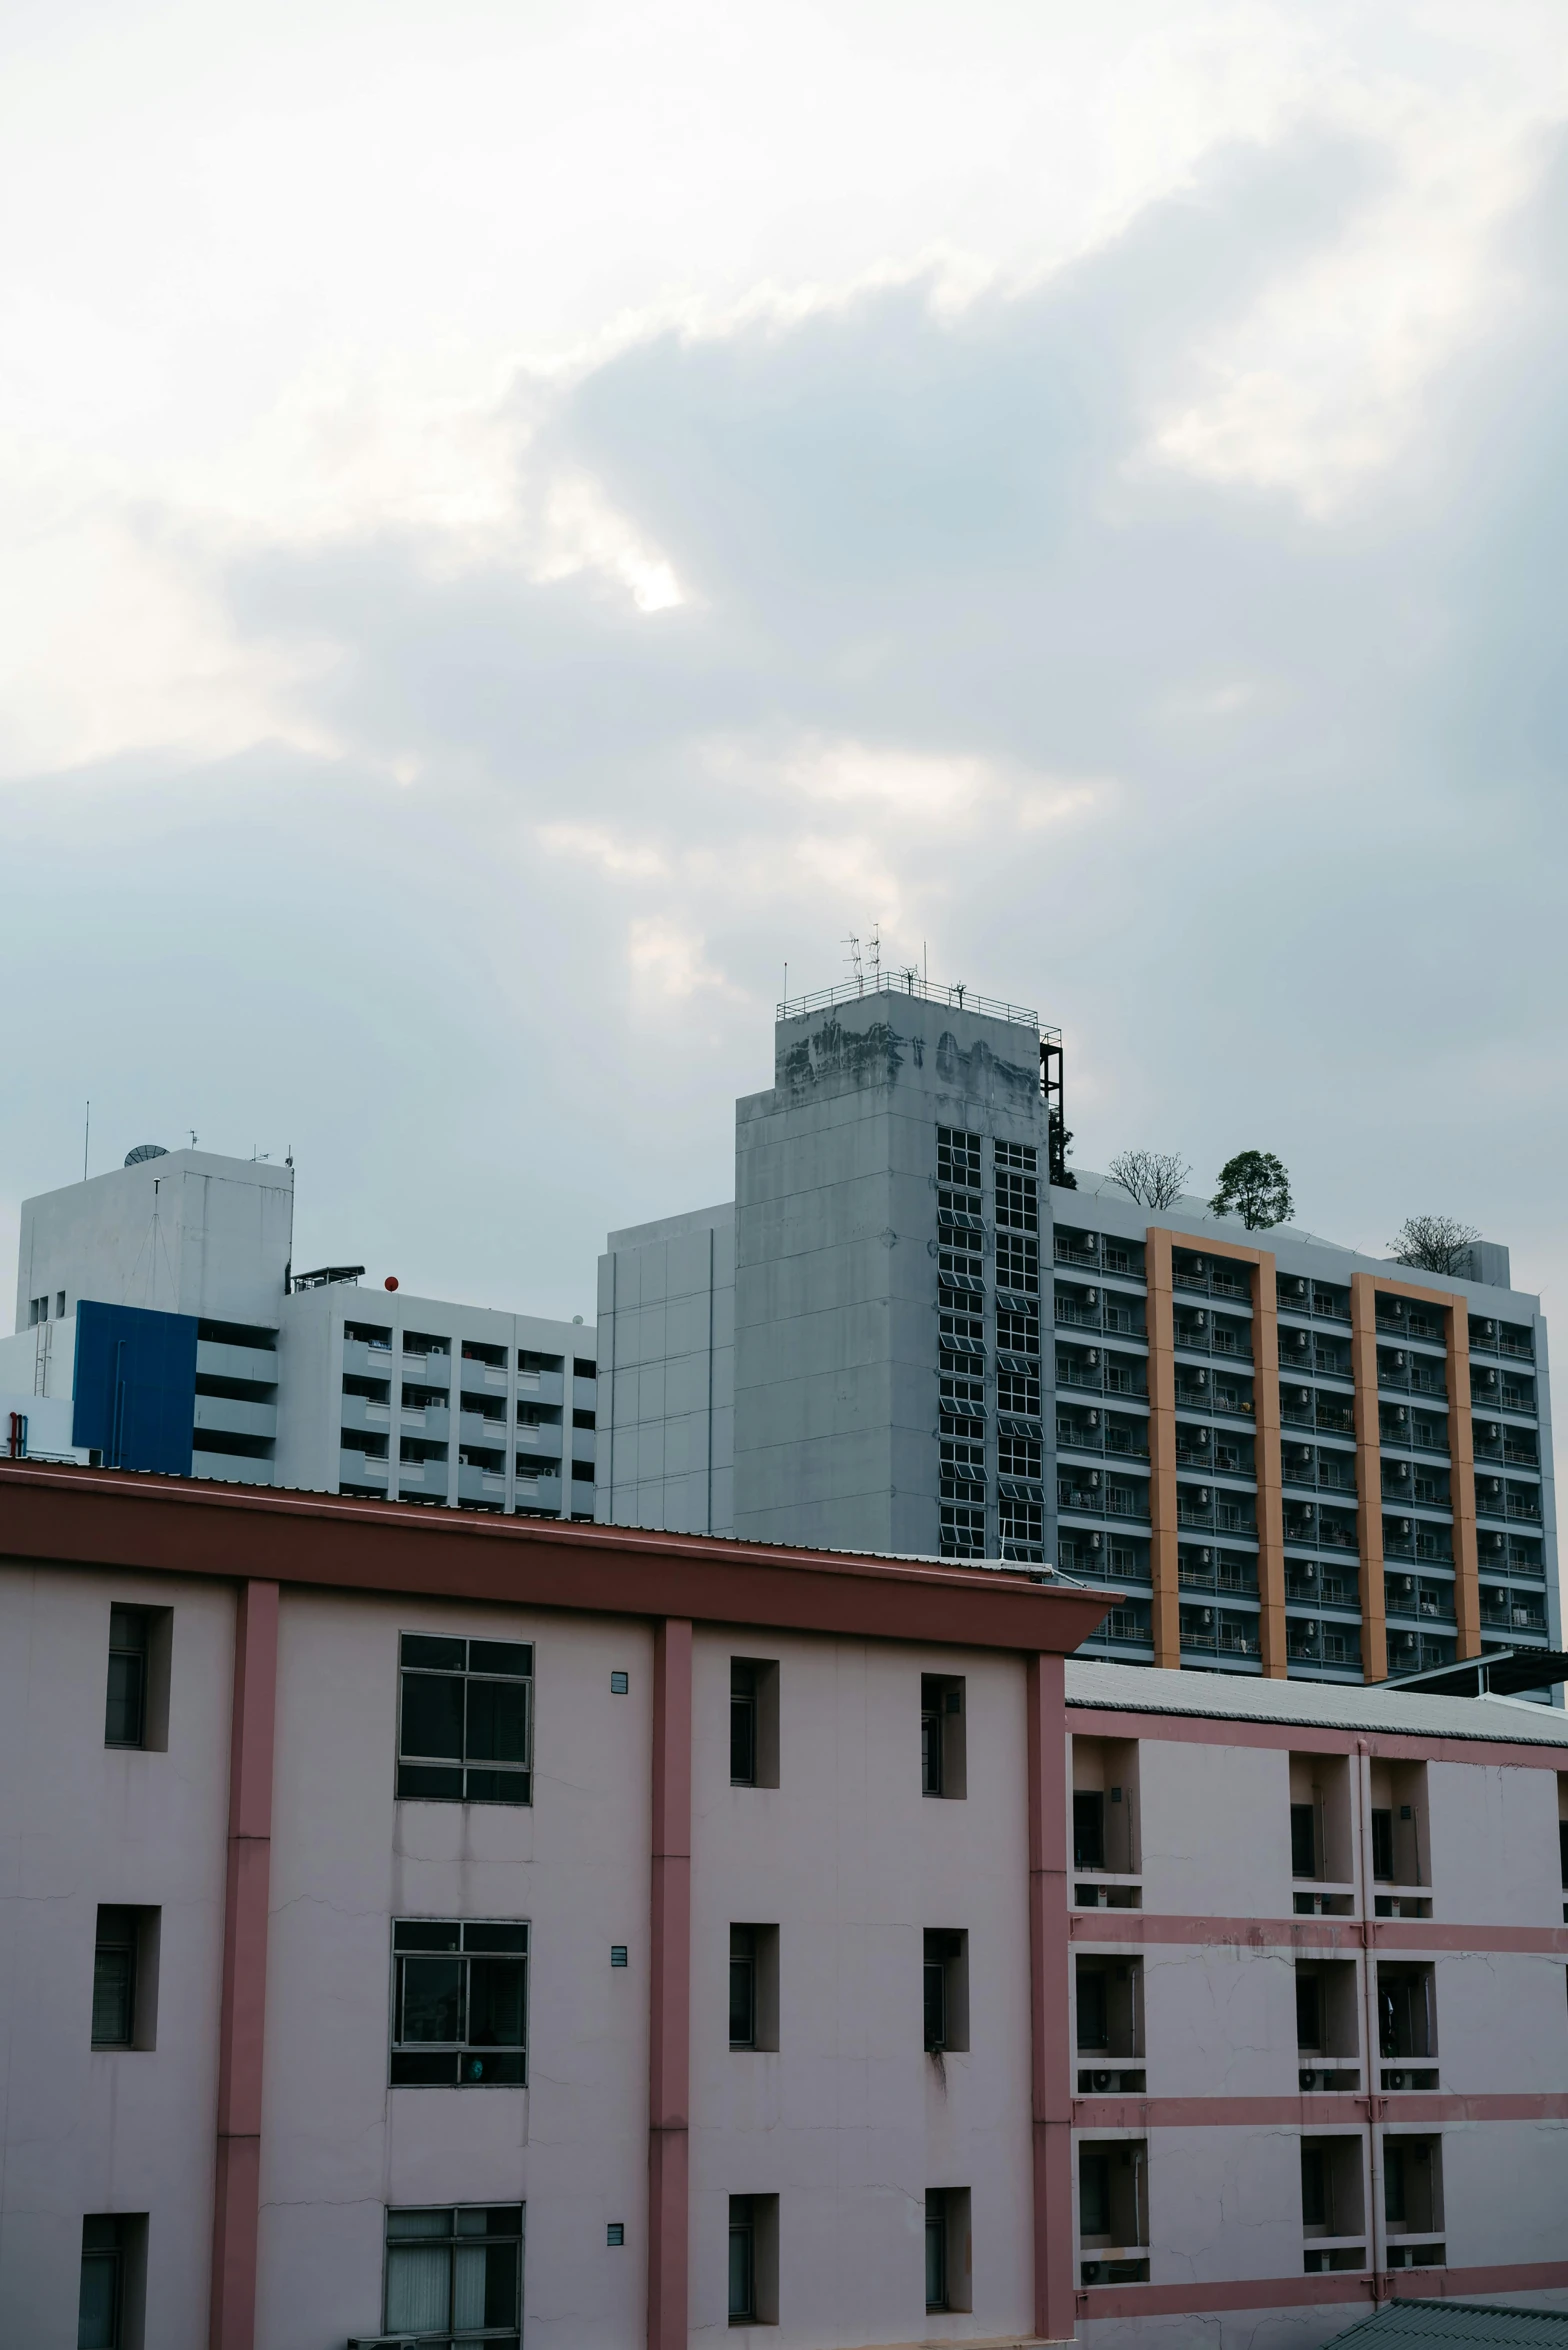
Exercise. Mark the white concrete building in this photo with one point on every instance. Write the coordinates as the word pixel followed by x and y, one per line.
pixel 158 1307
pixel 417 1927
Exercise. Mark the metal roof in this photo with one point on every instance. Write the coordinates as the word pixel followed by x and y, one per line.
pixel 1435 2325
pixel 1336 1705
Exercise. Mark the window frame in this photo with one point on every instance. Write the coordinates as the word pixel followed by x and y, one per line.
pixel 422 1941
pixel 465 1767
pixel 505 2337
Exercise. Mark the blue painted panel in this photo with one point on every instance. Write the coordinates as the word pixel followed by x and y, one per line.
pixel 135 1386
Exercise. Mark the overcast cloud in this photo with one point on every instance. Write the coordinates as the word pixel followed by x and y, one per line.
pixel 522 524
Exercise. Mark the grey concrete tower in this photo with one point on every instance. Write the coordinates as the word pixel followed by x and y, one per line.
pixel 902 1128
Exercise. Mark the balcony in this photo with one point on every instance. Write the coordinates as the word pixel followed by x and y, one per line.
pixel 1418 1600
pixel 226 1415
pixel 360 1411
pixel 249 1366
pixel 482 1428
pixel 367 1361
pixel 1410 1374
pixel 361 1468
pixel 1218 1632
pixel 1198 1333
pixel 1502 1612
pixel 477 1482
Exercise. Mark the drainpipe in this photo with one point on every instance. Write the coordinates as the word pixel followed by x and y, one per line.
pixel 1377 2230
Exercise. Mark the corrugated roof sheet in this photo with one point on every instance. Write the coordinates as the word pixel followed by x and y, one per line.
pixel 1249 1697
pixel 1417 2324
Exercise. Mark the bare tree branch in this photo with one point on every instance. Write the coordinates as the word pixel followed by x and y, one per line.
pixel 1436 1244
pixel 1154 1178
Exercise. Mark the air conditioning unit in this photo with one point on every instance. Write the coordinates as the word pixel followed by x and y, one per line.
pixel 1091 1297
pixel 1094 1419
pixel 1103 2080
pixel 1309 2080
pixel 1093 1358
pixel 1200 1319
pixel 1395 2080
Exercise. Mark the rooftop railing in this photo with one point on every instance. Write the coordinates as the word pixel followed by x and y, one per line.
pixel 910 983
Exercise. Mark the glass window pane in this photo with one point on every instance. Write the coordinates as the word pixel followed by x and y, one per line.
pixel 426 1648
pixel 428 1783
pixel 432 1716
pixel 113 1990
pixel 498 1786
pixel 126 1709
pixel 498 1721
pixel 508 1936
pixel 496 2002
pixel 491 2219
pixel 432 1999
pixel 97 2310
pixel 500 2285
pixel 418 2223
pixel 740 2268
pixel 425 1934
pixel 419 2283
pixel 511 1657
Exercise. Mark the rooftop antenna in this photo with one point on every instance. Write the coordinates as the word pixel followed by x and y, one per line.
pixel 193 1137
pixel 876 958
pixel 853 944
pixel 87 1127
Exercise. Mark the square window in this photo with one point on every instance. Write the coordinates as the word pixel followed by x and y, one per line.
pixel 111 2294
pixel 459 2004
pixel 615 2233
pixel 455 2276
pixel 620 1683
pixel 617 1954
pixel 465 1732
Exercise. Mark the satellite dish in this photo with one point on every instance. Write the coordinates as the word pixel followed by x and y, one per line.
pixel 144 1151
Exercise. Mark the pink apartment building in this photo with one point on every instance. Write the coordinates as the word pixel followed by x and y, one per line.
pixel 425 1928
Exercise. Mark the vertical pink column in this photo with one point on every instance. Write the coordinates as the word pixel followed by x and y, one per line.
pixel 669 1994
pixel 1049 1960
pixel 236 2203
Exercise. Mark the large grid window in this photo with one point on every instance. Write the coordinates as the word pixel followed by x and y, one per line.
pixel 465 1729
pixel 1017 1263
pixel 957 1158
pixel 459 2004
pixel 456 2276
pixel 125 1714
pixel 963 1531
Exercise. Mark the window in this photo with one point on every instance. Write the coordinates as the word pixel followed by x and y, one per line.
pixel 1413 2185
pixel 1109 2022
pixel 1113 2209
pixel 962 1531
pixel 753 2260
pixel 942 1742
pixel 582 1369
pixel 582 1419
pixel 1320 1818
pixel 936 2249
pixel 125 1978
pixel 1407 2024
pixel 136 1705
pixel 109 2306
pixel 947 2248
pixel 946 1977
pixel 465 1732
pixel 1105 1805
pixel 530 1365
pixel 456 2276
pixel 125 1719
pixel 957 1158
pixel 754 1722
pixel 754 1987
pixel 1303 1841
pixel 459 2004
pixel 1332 2203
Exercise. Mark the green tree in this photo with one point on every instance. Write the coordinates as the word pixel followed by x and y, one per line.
pixel 1254 1186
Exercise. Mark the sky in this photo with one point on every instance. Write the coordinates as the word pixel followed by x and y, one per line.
pixel 522 526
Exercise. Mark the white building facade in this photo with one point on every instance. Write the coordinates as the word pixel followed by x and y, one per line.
pixel 158 1307
pixel 414 1926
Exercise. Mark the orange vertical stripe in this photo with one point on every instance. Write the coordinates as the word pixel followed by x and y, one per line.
pixel 1461 1457
pixel 1271 1505
pixel 1162 1452
pixel 1369 1476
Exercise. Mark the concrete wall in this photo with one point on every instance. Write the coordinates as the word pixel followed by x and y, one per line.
pixel 850 2121
pixel 667 1375
pixel 190 1233
pixel 340 2145
pixel 124 2130
pixel 836 1276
